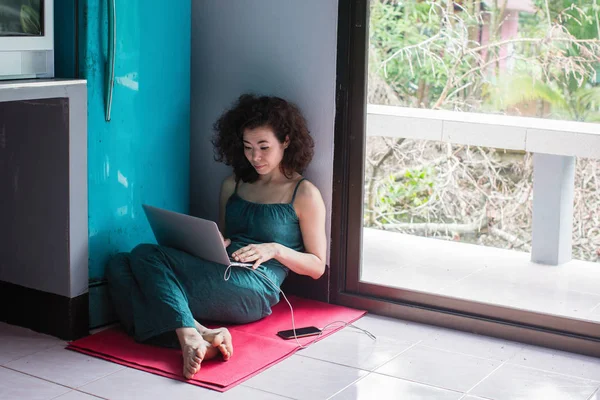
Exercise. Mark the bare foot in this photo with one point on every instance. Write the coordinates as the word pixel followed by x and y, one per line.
pixel 221 339
pixel 194 350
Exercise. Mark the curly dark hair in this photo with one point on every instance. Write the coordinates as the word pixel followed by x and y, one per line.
pixel 250 112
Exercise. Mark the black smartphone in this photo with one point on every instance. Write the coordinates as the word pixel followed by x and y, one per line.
pixel 300 332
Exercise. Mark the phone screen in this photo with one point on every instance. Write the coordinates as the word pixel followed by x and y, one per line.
pixel 300 332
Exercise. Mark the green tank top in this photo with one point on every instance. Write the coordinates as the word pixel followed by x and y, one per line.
pixel 247 223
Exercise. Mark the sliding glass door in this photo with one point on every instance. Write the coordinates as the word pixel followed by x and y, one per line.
pixel 464 183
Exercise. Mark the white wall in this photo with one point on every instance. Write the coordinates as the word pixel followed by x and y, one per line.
pixel 285 48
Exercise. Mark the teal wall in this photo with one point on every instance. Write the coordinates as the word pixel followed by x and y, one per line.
pixel 142 154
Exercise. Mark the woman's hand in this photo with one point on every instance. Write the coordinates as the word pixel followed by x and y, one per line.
pixel 257 253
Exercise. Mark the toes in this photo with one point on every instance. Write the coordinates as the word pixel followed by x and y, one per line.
pixel 190 372
pixel 218 340
pixel 200 353
pixel 224 352
pixel 192 359
pixel 224 339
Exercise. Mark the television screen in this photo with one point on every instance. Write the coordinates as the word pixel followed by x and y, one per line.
pixel 21 18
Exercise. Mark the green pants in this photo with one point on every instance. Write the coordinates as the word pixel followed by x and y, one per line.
pixel 156 290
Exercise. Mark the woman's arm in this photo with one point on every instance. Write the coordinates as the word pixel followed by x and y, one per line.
pixel 310 209
pixel 227 189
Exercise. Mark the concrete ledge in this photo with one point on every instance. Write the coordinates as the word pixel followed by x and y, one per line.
pixel 536 135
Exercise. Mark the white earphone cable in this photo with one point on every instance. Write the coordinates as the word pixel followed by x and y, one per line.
pixel 227 275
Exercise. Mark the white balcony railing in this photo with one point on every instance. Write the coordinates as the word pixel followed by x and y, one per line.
pixel 555 145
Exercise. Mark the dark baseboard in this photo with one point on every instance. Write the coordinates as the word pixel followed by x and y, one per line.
pixel 102 312
pixel 307 287
pixel 60 316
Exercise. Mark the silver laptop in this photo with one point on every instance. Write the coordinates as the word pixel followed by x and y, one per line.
pixel 196 236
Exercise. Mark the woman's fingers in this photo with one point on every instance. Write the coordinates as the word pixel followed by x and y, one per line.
pixel 242 252
pixel 250 257
pixel 257 263
pixel 256 254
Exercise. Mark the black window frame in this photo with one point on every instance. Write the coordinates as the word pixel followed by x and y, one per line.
pixel 346 225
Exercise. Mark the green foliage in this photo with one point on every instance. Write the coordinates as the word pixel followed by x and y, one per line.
pixel 411 190
pixel 30 18
pixel 396 25
pixel 420 74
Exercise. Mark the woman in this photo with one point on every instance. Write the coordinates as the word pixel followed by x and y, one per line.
pixel 270 216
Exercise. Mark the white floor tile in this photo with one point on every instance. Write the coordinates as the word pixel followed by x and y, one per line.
pixel 17 342
pixel 305 378
pixel 17 386
pixel 514 382
pixel 248 393
pixel 405 331
pixel 64 367
pixel 354 348
pixel 439 368
pixel 381 387
pixel 75 395
pixel 133 384
pixel 559 362
pixel 473 345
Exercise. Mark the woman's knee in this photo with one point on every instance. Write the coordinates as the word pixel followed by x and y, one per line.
pixel 144 250
pixel 117 267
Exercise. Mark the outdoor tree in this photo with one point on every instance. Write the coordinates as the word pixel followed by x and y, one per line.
pixel 458 56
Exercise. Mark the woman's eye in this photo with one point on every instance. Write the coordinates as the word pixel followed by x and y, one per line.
pixel 247 148
pixel 264 148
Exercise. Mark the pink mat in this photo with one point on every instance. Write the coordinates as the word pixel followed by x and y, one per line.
pixel 256 345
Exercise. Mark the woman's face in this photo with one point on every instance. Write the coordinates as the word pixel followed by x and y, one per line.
pixel 263 150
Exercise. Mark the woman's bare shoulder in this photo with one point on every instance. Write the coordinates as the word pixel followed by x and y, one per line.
pixel 228 185
pixel 308 196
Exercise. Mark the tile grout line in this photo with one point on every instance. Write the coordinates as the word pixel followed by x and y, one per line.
pixel 419 383
pixel 344 365
pixel 260 390
pixel 399 354
pixel 391 376
pixel 93 395
pixel 61 384
pixel 505 362
pixel 75 390
pixel 341 365
pixel 350 384
pixel 597 391
pixel 479 397
pixel 368 372
pixel 37 377
pixel 79 388
pixel 553 372
pixel 469 355
pixel 487 376
pixel 35 352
